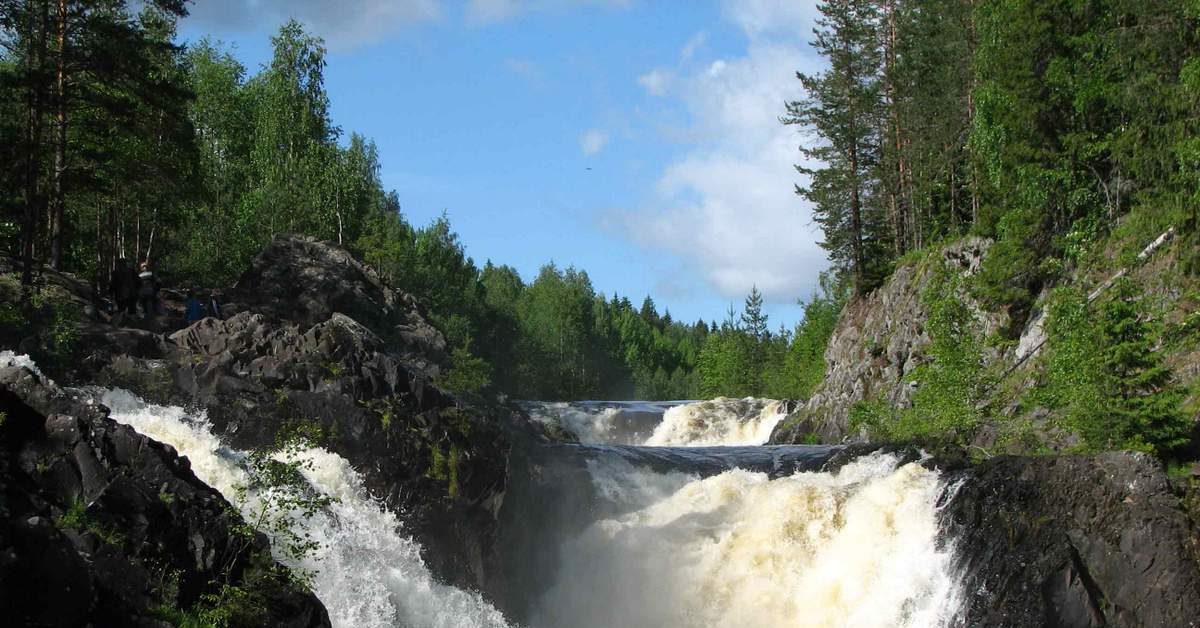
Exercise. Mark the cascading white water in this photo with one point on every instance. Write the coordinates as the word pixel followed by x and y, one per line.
pixel 589 425
pixel 720 421
pixel 857 547
pixel 717 422
pixel 8 358
pixel 367 573
pixel 852 548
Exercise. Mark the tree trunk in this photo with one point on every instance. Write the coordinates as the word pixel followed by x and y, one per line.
pixel 58 198
pixel 896 190
pixel 856 217
pixel 35 102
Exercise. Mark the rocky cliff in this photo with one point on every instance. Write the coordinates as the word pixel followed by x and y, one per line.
pixel 102 526
pixel 879 340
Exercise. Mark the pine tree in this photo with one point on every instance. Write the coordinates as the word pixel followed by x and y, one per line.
pixel 1145 402
pixel 844 108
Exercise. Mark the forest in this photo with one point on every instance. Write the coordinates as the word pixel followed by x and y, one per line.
pixel 1044 125
pixel 119 143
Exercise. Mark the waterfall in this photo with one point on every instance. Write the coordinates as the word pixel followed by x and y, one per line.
pixel 663 536
pixel 366 571
pixel 853 548
pixel 720 421
pixel 716 422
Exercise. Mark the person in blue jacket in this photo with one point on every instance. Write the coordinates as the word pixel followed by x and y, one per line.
pixel 195 309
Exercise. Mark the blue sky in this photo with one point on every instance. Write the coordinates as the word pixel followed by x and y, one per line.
pixel 636 140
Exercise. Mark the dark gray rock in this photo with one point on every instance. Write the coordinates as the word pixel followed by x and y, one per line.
pixel 305 281
pixel 96 519
pixel 1072 541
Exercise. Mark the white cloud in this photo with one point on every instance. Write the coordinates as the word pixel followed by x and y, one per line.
pixel 344 25
pixel 727 205
pixel 593 141
pixel 482 12
pixel 764 18
pixel 655 81
pixel 689 49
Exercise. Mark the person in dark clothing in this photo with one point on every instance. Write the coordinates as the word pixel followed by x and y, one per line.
pixel 214 303
pixel 195 309
pixel 123 286
pixel 148 291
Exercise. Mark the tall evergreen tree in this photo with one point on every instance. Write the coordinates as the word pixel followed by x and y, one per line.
pixel 754 320
pixel 843 109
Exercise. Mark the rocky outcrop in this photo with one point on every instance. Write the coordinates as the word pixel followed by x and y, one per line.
pixel 102 526
pixel 879 339
pixel 318 340
pixel 1072 541
pixel 306 281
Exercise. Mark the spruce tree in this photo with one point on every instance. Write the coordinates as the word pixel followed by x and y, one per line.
pixel 1145 405
pixel 754 320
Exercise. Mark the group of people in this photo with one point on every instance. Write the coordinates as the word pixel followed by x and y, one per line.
pixel 132 290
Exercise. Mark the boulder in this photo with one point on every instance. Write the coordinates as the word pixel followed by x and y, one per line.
pixel 305 281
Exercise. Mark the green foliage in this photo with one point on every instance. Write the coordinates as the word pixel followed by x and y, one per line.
pixel 843 107
pixel 276 492
pixel 806 356
pixel 75 517
pixel 229 607
pixel 467 373
pixel 50 316
pixel 951 386
pixel 444 467
pixel 1104 373
pixel 747 360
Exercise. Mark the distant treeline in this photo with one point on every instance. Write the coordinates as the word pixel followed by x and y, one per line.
pixel 118 143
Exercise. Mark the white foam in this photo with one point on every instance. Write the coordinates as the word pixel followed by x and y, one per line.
pixel 367 572
pixel 720 421
pixel 855 548
pixel 9 358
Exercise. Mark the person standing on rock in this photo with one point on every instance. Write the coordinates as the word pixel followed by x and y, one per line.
pixel 195 309
pixel 123 285
pixel 148 291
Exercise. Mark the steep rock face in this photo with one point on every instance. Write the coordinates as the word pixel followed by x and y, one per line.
pixel 879 340
pixel 257 375
pixel 1072 541
pixel 102 526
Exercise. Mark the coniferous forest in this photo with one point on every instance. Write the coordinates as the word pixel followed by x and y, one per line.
pixel 1044 125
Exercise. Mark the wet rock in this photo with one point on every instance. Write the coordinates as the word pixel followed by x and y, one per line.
pixel 97 519
pixel 1072 541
